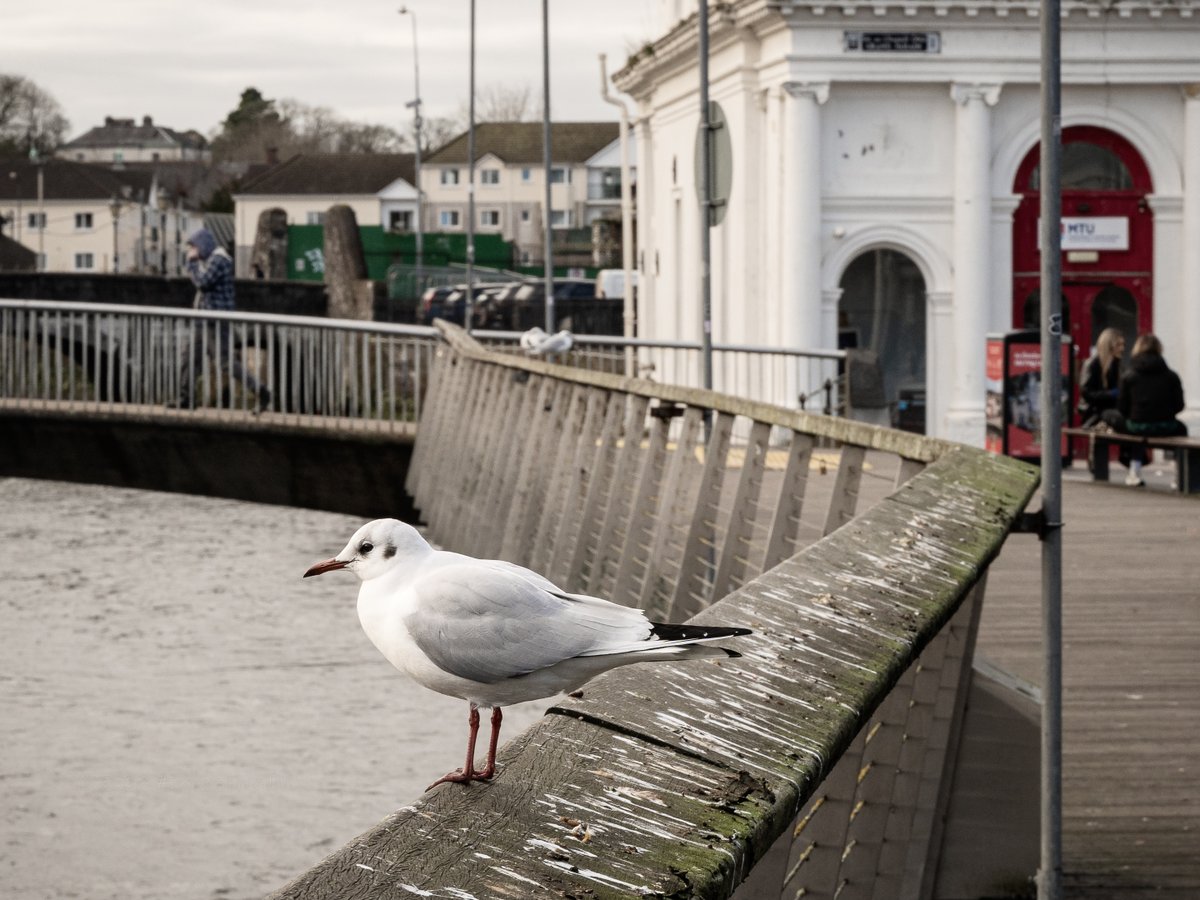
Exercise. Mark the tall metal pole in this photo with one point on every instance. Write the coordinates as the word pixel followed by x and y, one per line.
pixel 706 205
pixel 1050 870
pixel 41 201
pixel 416 108
pixel 469 302
pixel 547 249
pixel 626 216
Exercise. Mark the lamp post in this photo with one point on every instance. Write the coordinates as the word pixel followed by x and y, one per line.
pixel 415 104
pixel 548 248
pixel 469 302
pixel 114 207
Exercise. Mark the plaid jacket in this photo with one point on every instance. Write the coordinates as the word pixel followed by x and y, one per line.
pixel 214 279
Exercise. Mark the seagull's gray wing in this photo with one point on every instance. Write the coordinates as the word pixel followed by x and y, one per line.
pixel 490 621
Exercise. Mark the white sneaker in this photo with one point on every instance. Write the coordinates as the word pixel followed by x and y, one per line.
pixel 1134 480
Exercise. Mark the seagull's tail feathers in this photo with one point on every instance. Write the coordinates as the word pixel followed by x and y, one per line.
pixel 676 642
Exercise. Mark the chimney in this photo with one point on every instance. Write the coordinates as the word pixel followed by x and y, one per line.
pixel 147 121
pixel 272 156
pixel 108 120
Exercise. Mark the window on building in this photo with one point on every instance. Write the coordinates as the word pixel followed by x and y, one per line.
pixel 400 220
pixel 524 215
pixel 489 218
pixel 448 218
pixel 525 257
pixel 560 218
pixel 527 175
pixel 118 156
pixel 559 175
pixel 314 218
pixel 85 261
pixel 449 176
pixel 489 176
pixel 1088 167
pixel 83 221
pixel 36 220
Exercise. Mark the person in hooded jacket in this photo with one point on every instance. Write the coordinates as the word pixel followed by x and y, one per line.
pixel 211 269
pixel 1148 399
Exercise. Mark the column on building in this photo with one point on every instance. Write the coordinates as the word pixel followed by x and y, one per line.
pixel 1189 361
pixel 801 270
pixel 972 256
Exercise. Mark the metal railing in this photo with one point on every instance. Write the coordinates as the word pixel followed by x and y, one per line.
pixel 834 738
pixel 347 373
pixel 333 372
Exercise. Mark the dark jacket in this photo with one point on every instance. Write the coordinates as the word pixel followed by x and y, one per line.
pixel 212 273
pixel 1149 392
pixel 1098 390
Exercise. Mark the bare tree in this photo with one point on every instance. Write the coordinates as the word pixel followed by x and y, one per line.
pixel 30 118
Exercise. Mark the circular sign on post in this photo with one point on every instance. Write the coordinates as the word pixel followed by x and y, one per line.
pixel 720 161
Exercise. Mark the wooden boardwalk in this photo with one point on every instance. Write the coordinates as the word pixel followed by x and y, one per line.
pixel 1131 676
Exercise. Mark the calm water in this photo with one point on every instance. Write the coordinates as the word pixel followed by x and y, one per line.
pixel 183 715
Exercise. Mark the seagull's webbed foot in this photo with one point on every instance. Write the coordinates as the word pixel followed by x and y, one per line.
pixel 458 776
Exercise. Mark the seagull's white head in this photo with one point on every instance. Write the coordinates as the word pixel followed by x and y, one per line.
pixel 377 548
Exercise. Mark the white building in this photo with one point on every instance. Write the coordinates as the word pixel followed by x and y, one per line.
pixel 81 217
pixel 126 141
pixel 379 187
pixel 510 185
pixel 883 188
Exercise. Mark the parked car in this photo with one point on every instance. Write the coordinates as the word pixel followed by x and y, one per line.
pixel 523 305
pixel 449 301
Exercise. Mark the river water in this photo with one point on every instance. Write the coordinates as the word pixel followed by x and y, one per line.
pixel 183 715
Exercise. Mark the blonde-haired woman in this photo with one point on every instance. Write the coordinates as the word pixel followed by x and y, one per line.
pixel 1101 376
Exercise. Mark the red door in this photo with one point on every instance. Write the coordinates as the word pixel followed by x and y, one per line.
pixel 1108 235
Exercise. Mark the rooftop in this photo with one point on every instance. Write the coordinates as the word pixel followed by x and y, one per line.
pixel 127 133
pixel 521 142
pixel 333 173
pixel 66 180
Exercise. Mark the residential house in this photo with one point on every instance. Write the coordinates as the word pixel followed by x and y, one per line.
pixel 510 182
pixel 124 141
pixel 885 189
pixel 379 187
pixel 80 217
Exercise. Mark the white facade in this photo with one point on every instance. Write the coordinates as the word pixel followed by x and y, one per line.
pixel 509 196
pixel 84 236
pixel 838 152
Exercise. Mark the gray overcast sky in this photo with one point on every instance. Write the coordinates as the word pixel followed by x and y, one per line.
pixel 186 64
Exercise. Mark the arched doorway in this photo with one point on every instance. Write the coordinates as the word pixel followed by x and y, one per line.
pixel 882 310
pixel 1108 239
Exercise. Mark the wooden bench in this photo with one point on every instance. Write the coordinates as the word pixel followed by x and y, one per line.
pixel 1186 449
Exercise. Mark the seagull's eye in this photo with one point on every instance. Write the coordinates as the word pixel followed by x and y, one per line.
pixel 365 547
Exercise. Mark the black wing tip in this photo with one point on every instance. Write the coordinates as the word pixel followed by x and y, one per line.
pixel 732 654
pixel 667 632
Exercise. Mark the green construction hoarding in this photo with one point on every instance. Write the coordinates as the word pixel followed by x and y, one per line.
pixel 306 256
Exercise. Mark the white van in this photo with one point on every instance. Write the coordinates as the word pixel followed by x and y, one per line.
pixel 611 283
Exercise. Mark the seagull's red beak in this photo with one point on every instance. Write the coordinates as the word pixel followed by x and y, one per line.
pixel 328 566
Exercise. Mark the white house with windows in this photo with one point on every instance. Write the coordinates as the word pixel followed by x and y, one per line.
pixel 884 190
pixel 379 187
pixel 585 180
pixel 127 141
pixel 80 217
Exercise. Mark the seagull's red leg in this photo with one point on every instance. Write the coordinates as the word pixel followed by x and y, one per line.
pixel 467 772
pixel 489 768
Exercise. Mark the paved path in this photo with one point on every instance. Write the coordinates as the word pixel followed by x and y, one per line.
pixel 1131 683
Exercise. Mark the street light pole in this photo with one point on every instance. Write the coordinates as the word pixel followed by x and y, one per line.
pixel 548 250
pixel 114 207
pixel 416 108
pixel 468 301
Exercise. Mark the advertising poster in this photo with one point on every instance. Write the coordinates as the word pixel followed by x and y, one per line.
pixel 1022 358
pixel 993 409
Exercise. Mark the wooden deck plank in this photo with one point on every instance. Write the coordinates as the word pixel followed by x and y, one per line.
pixel 1131 683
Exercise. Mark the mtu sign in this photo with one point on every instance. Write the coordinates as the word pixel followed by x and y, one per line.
pixel 1093 233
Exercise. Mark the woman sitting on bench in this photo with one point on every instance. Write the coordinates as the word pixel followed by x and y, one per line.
pixel 1149 397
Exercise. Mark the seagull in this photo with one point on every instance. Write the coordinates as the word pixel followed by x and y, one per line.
pixel 535 342
pixel 494 633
